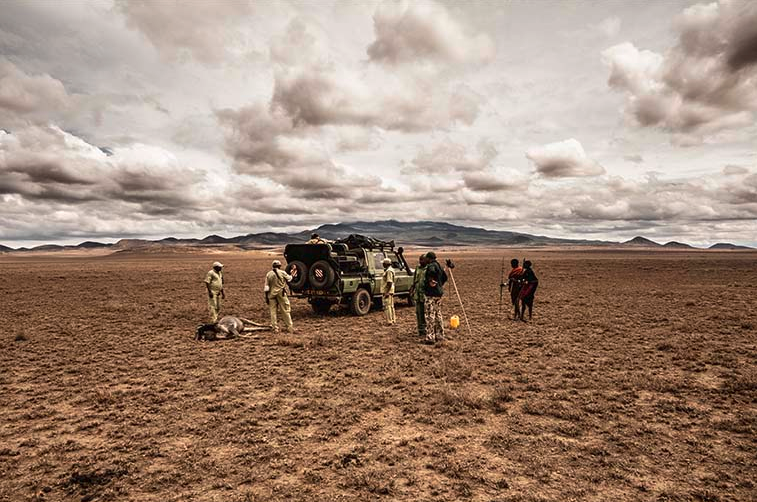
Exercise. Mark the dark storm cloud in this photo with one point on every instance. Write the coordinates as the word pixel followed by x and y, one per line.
pixel 702 85
pixel 413 32
pixel 565 159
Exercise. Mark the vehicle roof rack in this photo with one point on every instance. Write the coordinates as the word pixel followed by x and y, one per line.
pixel 354 241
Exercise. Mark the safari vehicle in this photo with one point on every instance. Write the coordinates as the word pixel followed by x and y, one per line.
pixel 347 271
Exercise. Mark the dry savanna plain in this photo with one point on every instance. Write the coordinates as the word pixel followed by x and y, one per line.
pixel 636 380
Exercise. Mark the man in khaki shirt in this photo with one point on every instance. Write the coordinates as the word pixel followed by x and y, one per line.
pixel 214 284
pixel 387 290
pixel 276 296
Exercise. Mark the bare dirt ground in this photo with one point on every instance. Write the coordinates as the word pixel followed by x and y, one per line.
pixel 637 380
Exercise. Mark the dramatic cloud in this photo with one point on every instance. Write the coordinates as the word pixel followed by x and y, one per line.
pixel 705 84
pixel 416 31
pixel 731 170
pixel 29 96
pixel 48 164
pixel 327 96
pixel 564 159
pixel 265 142
pixel 203 30
pixel 449 157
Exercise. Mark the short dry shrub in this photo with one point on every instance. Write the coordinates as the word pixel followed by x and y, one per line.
pixel 452 368
pixel 454 400
pixel 374 481
pixel 288 341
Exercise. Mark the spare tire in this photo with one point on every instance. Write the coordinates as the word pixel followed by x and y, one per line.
pixel 299 273
pixel 321 275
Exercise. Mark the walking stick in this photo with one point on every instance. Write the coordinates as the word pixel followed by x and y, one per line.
pixel 460 300
pixel 501 284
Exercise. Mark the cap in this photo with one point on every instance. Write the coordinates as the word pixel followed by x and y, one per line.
pixel 314 236
pixel 276 263
pixel 386 261
pixel 431 255
pixel 217 264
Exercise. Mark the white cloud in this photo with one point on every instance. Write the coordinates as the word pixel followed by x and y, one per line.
pixel 418 31
pixel 29 96
pixel 564 159
pixel 205 31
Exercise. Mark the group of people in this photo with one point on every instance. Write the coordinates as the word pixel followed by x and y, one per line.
pixel 521 283
pixel 274 291
pixel 426 292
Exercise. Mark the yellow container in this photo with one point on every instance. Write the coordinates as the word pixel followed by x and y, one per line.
pixel 454 322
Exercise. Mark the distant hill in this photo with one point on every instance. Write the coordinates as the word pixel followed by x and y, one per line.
pixel 727 246
pixel 639 241
pixel 420 233
pixel 677 245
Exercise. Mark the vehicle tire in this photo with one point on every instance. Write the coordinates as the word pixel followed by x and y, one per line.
pixel 360 303
pixel 299 273
pixel 321 275
pixel 321 306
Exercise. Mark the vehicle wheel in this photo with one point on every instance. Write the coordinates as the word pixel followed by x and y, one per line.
pixel 360 303
pixel 321 307
pixel 299 273
pixel 321 275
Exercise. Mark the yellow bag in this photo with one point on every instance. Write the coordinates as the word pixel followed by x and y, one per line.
pixel 454 322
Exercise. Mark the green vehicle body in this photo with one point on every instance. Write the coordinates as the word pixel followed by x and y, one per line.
pixel 356 271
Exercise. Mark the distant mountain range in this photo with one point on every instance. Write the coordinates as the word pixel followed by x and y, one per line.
pixel 421 233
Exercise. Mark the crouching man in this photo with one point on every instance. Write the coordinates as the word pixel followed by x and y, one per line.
pixel 276 296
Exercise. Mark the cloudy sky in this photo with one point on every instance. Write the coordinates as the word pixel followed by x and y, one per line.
pixel 571 119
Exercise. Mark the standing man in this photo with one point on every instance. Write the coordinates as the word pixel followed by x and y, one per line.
pixel 214 284
pixel 418 294
pixel 387 290
pixel 434 289
pixel 514 284
pixel 316 239
pixel 276 296
pixel 527 292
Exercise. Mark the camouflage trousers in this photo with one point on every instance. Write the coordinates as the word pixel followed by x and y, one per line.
pixel 388 302
pixel 214 305
pixel 434 320
pixel 280 302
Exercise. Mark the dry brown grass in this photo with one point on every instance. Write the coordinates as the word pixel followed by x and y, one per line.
pixel 622 388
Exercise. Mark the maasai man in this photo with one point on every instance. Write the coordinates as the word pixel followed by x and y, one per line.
pixel 528 290
pixel 514 285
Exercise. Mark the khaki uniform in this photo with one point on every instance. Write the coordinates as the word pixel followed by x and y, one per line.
pixel 388 295
pixel 214 280
pixel 275 287
pixel 419 298
pixel 316 241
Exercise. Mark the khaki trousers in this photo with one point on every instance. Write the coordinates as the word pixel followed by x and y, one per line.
pixel 388 302
pixel 280 302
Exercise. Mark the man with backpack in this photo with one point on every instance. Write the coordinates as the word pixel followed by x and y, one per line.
pixel 434 282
